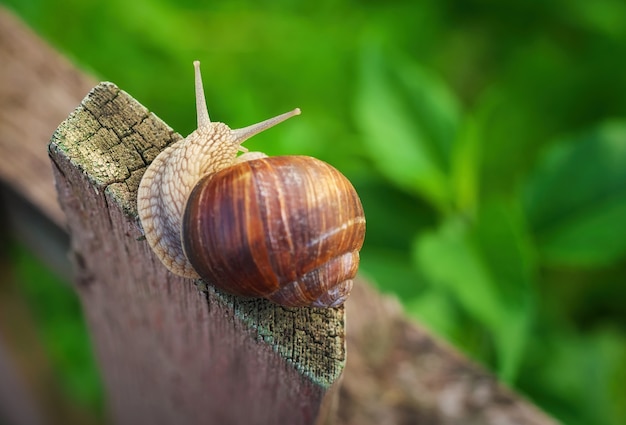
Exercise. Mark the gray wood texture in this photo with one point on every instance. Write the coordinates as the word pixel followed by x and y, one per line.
pixel 397 372
pixel 170 350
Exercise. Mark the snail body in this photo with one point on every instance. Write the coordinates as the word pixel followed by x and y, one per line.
pixel 285 228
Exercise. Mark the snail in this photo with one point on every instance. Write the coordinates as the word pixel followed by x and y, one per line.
pixel 285 228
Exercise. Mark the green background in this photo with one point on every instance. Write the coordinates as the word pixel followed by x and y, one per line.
pixel 487 140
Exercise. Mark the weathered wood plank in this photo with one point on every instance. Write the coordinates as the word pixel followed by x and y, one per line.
pixel 399 373
pixel 38 89
pixel 170 351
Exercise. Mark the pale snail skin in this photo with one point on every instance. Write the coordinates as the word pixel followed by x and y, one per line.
pixel 168 181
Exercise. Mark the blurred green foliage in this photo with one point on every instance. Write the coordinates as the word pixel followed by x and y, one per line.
pixel 56 309
pixel 486 138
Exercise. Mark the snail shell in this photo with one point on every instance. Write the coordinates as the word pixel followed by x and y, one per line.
pixel 277 230
pixel 286 228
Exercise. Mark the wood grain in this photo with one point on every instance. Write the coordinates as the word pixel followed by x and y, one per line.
pixel 399 373
pixel 171 351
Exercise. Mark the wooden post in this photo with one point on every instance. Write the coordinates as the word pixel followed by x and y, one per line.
pixel 171 350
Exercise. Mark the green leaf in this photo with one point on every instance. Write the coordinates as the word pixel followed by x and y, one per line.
pixel 576 199
pixel 583 373
pixel 433 308
pixel 487 266
pixel 392 272
pixel 409 120
pixel 466 161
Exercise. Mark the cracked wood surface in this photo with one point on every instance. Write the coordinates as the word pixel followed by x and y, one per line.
pixel 172 351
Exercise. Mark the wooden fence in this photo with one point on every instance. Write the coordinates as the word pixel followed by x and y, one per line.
pixel 172 350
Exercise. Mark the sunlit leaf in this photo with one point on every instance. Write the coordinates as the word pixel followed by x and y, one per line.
pixel 433 308
pixel 487 267
pixel 576 199
pixel 392 271
pixel 466 163
pixel 409 122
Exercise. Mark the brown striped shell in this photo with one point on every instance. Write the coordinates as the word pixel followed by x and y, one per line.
pixel 286 228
